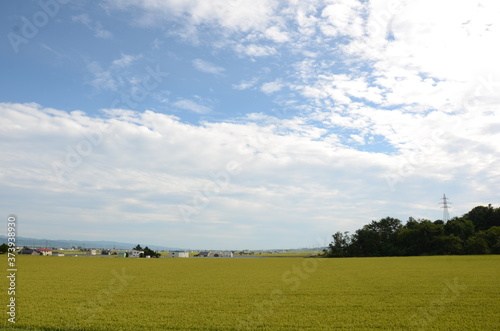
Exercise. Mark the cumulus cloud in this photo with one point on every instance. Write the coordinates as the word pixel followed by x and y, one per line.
pixel 133 168
pixel 274 33
pixel 271 87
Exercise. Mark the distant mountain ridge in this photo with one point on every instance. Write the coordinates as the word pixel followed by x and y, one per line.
pixel 33 242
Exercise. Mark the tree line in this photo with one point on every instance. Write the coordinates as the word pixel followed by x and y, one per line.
pixel 476 232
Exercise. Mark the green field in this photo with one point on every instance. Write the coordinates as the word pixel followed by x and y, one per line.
pixel 427 293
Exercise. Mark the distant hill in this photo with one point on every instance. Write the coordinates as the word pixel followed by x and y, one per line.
pixel 32 242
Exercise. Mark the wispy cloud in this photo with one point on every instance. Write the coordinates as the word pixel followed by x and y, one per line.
pixel 205 66
pixel 238 16
pixel 190 105
pixel 254 50
pixel 95 26
pixel 101 79
pixel 246 84
pixel 125 60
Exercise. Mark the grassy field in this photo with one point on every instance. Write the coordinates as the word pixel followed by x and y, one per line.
pixel 427 293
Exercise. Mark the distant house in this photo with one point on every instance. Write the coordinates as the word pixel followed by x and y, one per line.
pixel 45 251
pixel 214 254
pixel 106 252
pixel 29 251
pixel 57 254
pixel 226 254
pixel 122 254
pixel 178 254
pixel 135 253
pixel 93 252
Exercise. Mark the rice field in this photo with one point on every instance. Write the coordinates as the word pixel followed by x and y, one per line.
pixel 100 294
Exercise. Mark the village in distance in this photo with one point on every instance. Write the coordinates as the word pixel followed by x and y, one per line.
pixel 102 249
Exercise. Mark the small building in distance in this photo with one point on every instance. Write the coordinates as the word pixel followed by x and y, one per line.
pixel 45 251
pixel 122 254
pixel 93 251
pixel 226 254
pixel 57 254
pixel 178 254
pixel 135 253
pixel 215 254
pixel 29 251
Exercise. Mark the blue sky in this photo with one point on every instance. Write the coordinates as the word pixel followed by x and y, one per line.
pixel 240 124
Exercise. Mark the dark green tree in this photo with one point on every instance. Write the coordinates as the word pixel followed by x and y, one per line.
pixel 475 232
pixel 492 237
pixel 365 243
pixel 339 247
pixel 416 237
pixel 448 245
pixel 4 248
pixel 460 227
pixel 150 252
pixel 481 217
pixel 377 238
pixel 476 245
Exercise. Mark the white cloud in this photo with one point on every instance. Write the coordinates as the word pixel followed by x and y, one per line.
pixel 205 66
pixel 234 15
pixel 419 79
pixel 192 106
pixel 275 34
pixel 244 85
pixel 343 18
pixel 100 32
pixel 102 79
pixel 83 18
pixel 134 167
pixel 125 60
pixel 254 50
pixel 271 87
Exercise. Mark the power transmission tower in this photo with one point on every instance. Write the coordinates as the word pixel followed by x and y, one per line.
pixel 445 203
